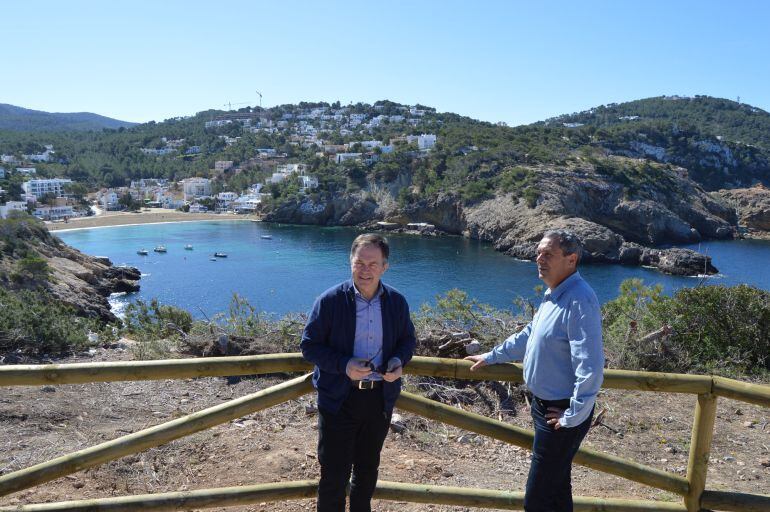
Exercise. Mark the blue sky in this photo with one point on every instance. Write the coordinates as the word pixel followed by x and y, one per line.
pixel 509 61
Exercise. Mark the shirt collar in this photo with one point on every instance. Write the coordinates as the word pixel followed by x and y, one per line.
pixel 557 292
pixel 380 291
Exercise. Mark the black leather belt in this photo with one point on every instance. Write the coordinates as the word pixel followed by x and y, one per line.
pixel 366 384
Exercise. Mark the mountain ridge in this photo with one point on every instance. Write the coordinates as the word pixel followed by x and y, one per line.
pixel 17 118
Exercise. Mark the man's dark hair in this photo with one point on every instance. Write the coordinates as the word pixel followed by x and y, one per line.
pixel 568 242
pixel 371 239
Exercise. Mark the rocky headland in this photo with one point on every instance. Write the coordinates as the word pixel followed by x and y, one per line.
pixel 81 281
pixel 619 222
pixel 753 207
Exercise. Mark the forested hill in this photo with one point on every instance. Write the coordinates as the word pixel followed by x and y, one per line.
pixel 23 119
pixel 732 121
pixel 720 144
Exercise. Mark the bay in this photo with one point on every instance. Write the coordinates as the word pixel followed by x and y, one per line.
pixel 285 273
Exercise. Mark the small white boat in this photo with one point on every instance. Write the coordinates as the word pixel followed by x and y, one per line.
pixel 220 255
pixel 188 247
pixel 160 248
pixel 142 252
pixel 266 237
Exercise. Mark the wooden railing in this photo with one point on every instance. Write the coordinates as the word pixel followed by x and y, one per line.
pixel 692 488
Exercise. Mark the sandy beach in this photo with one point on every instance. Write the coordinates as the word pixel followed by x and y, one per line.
pixel 153 216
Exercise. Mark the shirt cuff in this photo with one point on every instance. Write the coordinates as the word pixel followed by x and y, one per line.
pixel 489 357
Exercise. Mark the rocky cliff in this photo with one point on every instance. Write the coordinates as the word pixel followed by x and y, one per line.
pixel 617 224
pixel 753 207
pixel 68 275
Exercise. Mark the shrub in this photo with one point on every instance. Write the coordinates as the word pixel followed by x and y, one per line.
pixel 721 329
pixel 37 324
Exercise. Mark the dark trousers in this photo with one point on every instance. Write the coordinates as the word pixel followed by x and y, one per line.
pixel 351 438
pixel 549 487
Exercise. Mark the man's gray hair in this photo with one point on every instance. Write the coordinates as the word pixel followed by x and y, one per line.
pixel 568 241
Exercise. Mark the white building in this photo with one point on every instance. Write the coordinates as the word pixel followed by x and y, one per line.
pixel 370 144
pixel 38 188
pixel 223 165
pixel 225 201
pixel 287 169
pixel 196 187
pixel 343 157
pixel 157 152
pixel 426 141
pixel 108 199
pixel 53 212
pixel 248 203
pixel 26 171
pixel 307 182
pixel 198 208
pixel 8 159
pixel 45 156
pixel 217 124
pixel 5 209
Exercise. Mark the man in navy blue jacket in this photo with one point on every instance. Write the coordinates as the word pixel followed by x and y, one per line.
pixel 359 336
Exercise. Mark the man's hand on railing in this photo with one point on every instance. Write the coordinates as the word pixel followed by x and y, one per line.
pixel 479 361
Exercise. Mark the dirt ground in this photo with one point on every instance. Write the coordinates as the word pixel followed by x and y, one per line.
pixel 278 444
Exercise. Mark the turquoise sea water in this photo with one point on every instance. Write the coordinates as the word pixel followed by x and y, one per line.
pixel 286 273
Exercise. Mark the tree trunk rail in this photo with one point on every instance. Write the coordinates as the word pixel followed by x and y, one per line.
pixel 692 488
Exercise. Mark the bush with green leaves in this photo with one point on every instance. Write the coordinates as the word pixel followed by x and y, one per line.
pixel 152 321
pixel 37 324
pixel 719 329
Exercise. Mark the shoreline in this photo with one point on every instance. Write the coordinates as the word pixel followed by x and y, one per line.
pixel 156 216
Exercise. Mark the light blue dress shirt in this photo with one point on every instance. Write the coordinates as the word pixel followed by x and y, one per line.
pixel 561 348
pixel 368 339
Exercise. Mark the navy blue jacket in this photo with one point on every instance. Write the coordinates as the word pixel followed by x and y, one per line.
pixel 327 342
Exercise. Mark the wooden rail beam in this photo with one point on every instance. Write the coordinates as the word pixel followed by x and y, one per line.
pixel 743 391
pixel 153 436
pixel 735 501
pixel 81 373
pixel 415 493
pixel 520 437
pixel 700 449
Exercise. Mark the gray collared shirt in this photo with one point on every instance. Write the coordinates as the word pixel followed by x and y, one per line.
pixel 367 343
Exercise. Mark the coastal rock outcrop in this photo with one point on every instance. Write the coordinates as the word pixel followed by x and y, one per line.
pixel 752 206
pixel 82 281
pixel 618 222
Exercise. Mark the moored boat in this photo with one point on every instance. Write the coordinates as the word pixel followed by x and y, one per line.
pixel 188 247
pixel 220 255
pixel 142 252
pixel 160 248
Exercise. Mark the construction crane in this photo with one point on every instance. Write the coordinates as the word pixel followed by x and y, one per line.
pixel 260 99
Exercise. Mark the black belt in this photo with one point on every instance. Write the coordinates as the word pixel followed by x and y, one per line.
pixel 563 403
pixel 366 384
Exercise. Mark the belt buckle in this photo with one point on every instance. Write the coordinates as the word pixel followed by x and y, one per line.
pixel 365 384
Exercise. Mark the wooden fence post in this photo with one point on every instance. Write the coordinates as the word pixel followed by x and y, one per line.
pixel 700 448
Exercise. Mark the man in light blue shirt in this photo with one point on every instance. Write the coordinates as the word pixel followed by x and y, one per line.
pixel 563 368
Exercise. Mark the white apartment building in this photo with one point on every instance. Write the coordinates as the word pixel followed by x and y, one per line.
pixel 53 212
pixel 26 171
pixel 248 203
pixel 196 187
pixel 38 188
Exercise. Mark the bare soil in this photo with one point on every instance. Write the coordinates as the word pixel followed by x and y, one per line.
pixel 40 423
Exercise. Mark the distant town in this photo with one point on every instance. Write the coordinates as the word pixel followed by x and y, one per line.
pixel 60 199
